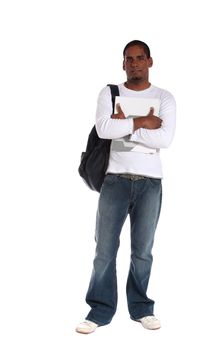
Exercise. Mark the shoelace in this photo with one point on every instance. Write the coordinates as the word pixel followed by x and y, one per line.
pixel 87 324
pixel 150 318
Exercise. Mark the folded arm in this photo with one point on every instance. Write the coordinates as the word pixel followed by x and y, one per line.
pixel 158 137
pixel 150 130
pixel 109 127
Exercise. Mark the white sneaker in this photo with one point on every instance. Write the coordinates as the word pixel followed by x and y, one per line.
pixel 150 322
pixel 86 327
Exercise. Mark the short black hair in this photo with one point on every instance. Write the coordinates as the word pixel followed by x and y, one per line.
pixel 138 43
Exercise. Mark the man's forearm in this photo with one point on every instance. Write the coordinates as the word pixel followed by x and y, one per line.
pixel 148 122
pixel 108 128
pixel 138 123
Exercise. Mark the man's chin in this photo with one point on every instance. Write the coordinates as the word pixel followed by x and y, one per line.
pixel 135 80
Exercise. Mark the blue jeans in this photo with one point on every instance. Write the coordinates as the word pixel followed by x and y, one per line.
pixel 119 197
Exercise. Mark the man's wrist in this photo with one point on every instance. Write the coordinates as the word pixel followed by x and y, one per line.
pixel 138 123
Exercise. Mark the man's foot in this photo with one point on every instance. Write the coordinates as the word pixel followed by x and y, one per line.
pixel 150 322
pixel 86 327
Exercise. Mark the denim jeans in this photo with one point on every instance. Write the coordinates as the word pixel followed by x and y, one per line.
pixel 119 197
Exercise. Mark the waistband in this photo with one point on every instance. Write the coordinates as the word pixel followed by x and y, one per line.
pixel 132 177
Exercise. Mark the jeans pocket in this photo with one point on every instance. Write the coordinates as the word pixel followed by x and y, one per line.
pixel 110 179
pixel 154 181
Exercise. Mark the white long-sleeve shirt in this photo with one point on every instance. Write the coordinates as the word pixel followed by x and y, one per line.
pixel 124 157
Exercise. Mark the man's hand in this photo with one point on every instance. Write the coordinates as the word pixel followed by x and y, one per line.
pixel 148 122
pixel 119 114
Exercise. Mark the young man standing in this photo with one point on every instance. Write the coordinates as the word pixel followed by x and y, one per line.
pixel 132 186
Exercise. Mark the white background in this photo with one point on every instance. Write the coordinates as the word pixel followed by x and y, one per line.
pixel 55 57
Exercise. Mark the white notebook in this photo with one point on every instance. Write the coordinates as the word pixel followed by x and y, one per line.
pixel 134 107
pixel 137 107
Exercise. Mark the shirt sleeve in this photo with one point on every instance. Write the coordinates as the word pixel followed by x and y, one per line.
pixel 108 128
pixel 162 137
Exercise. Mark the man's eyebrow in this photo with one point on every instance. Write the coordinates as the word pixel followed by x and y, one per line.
pixel 139 56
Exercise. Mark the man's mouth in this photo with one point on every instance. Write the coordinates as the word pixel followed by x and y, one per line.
pixel 136 70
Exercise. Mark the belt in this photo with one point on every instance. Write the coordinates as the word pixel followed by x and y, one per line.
pixel 132 177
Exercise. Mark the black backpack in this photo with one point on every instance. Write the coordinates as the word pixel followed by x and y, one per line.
pixel 94 160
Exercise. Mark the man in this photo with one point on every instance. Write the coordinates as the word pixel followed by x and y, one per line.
pixel 132 186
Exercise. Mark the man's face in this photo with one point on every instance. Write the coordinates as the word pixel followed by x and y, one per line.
pixel 136 64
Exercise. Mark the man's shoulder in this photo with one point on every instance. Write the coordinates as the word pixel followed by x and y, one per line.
pixel 162 92
pixel 106 90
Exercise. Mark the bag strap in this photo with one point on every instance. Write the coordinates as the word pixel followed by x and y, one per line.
pixel 114 92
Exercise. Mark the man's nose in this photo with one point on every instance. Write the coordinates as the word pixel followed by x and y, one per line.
pixel 134 63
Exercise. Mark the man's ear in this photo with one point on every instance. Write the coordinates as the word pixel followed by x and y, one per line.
pixel 150 62
pixel 123 65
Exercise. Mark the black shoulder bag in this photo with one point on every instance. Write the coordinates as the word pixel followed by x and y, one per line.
pixel 94 160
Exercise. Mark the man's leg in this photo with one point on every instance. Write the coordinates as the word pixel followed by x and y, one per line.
pixel 144 215
pixel 111 214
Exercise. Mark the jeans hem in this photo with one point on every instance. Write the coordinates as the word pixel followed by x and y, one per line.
pixel 99 323
pixel 136 318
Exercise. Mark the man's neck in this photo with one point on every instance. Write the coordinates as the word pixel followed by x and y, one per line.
pixel 138 86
